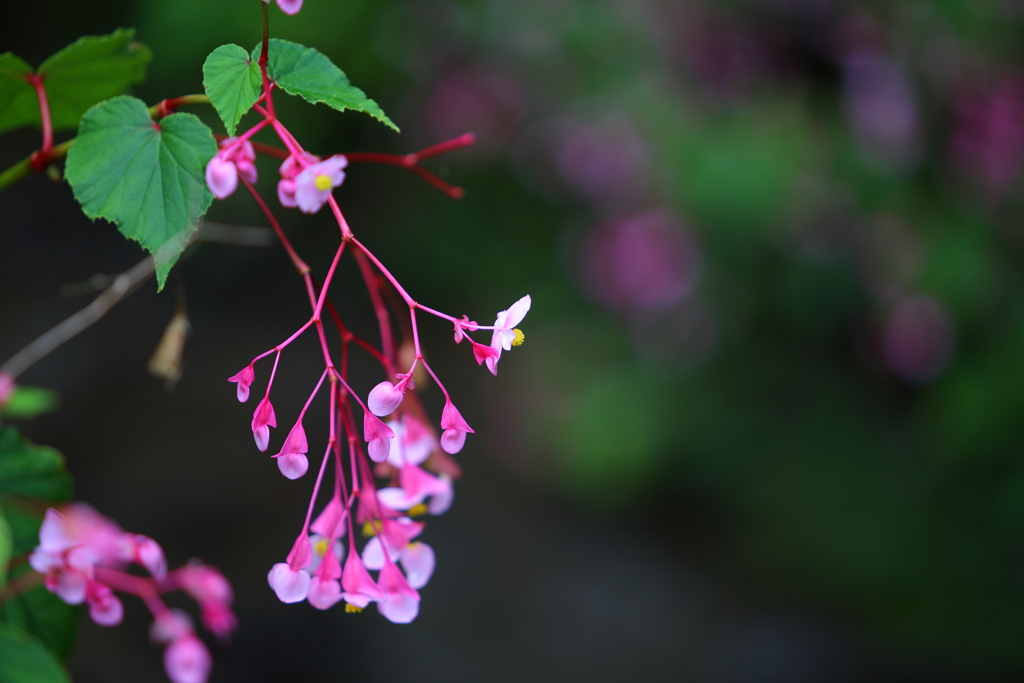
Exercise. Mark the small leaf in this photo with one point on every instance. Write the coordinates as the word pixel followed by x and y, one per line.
pixel 23 659
pixel 232 82
pixel 44 615
pixel 18 102
pixel 148 178
pixel 30 401
pixel 31 479
pixel 90 70
pixel 303 71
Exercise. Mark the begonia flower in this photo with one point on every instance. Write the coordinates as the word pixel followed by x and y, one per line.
pixel 413 442
pixel 385 398
pixel 360 588
pixel 378 437
pixel 314 183
pixel 262 420
pixel 245 377
pixel 401 603
pixel 416 486
pixel 328 522
pixel 221 176
pixel 290 585
pixel 292 459
pixel 417 559
pixel 505 336
pixel 455 428
pixel 150 555
pixel 105 608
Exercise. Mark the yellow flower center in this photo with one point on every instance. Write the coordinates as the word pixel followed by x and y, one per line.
pixel 417 510
pixel 320 547
pixel 369 530
pixel 352 609
pixel 322 182
pixel 520 337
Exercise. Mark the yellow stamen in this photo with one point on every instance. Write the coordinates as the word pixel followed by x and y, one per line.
pixel 322 182
pixel 352 609
pixel 417 510
pixel 320 547
pixel 369 530
pixel 520 337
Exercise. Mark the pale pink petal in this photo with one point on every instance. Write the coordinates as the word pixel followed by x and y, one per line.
pixel 418 561
pixel 290 585
pixel 395 498
pixel 378 436
pixel 245 377
pixel 187 660
pixel 293 465
pixel 401 602
pixel 104 607
pixel 384 399
pixel 221 177
pixel 324 593
pixel 328 520
pixel 286 193
pixel 53 535
pixel 70 586
pixel 452 440
pixel 290 6
pixel 373 554
pixel 517 312
pixel 150 555
pixel 42 561
pixel 262 419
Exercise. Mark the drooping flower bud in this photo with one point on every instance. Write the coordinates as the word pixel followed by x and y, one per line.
pixel 245 377
pixel 292 459
pixel 378 437
pixel 262 420
pixel 187 660
pixel 221 176
pixel 385 398
pixel 455 428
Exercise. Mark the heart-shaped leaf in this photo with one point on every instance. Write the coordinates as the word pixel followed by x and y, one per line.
pixel 147 177
pixel 233 82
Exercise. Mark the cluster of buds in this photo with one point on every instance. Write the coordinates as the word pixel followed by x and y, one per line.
pixel 322 567
pixel 83 557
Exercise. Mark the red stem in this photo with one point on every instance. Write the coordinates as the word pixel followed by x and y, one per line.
pixel 41 159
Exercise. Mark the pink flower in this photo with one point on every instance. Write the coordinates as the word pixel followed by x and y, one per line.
pixel 455 428
pixel 292 459
pixel 413 442
pixel 464 324
pixel 245 377
pixel 213 593
pixel 385 398
pixel 328 522
pixel 291 585
pixel 186 660
pixel 314 183
pixel 290 168
pixel 262 420
pixel 324 589
pixel 378 437
pixel 221 176
pixel 483 353
pixel 290 6
pixel 150 555
pixel 401 603
pixel 223 169
pixel 360 589
pixel 504 335
pixel 105 608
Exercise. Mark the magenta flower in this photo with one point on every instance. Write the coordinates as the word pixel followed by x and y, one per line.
pixel 417 486
pixel 385 398
pixel 186 660
pixel 213 593
pixel 292 459
pixel 262 420
pixel 150 555
pixel 401 602
pixel 413 442
pixel 245 377
pixel 504 335
pixel 378 437
pixel 223 169
pixel 360 589
pixel 455 428
pixel 329 521
pixel 417 559
pixel 105 608
pixel 314 183
pixel 287 578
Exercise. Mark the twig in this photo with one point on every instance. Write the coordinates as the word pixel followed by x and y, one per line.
pixel 123 284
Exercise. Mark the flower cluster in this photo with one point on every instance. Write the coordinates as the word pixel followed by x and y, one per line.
pixel 83 555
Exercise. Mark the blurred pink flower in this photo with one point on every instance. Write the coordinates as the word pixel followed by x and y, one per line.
pixel 918 338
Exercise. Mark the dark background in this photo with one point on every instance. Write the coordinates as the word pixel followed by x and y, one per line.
pixel 766 425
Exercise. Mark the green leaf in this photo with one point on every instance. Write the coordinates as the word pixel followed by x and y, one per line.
pixel 23 659
pixel 148 178
pixel 44 615
pixel 30 401
pixel 90 70
pixel 303 71
pixel 232 82
pixel 18 103
pixel 31 478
